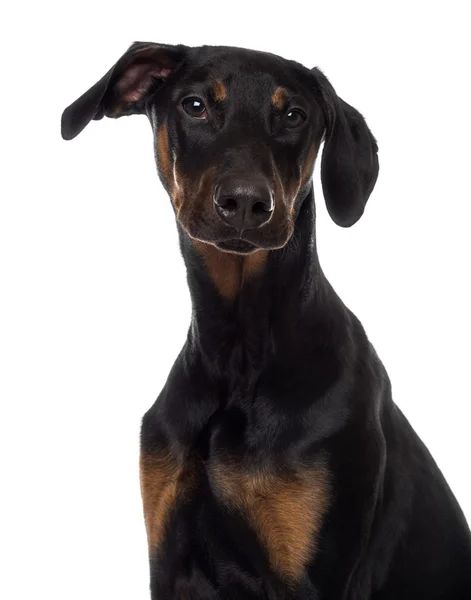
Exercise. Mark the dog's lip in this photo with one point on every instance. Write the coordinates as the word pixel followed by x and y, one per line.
pixel 237 246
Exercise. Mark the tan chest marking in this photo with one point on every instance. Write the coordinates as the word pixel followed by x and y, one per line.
pixel 285 511
pixel 164 482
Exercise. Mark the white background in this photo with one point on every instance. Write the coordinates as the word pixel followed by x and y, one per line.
pixel 94 304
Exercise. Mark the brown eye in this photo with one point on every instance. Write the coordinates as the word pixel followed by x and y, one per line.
pixel 294 118
pixel 195 108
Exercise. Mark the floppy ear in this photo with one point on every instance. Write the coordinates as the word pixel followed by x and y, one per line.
pixel 126 86
pixel 349 166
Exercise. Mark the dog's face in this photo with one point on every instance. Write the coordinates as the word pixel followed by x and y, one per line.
pixel 236 136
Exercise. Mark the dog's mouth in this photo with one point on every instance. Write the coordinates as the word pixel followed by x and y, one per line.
pixel 247 243
pixel 236 246
pixel 202 226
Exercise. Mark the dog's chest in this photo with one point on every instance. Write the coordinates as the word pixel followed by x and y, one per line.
pixel 220 500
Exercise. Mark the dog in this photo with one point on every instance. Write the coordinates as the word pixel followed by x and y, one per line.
pixel 274 463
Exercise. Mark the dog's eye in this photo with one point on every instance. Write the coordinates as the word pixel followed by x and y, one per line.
pixel 195 108
pixel 294 118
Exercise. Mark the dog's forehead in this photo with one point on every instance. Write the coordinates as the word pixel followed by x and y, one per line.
pixel 237 66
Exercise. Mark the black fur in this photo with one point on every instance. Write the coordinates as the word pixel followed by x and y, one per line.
pixel 280 377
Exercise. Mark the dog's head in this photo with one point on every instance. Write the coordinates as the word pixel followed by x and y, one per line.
pixel 236 136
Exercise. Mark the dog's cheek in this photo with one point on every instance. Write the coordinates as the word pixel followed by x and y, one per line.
pixel 195 200
pixel 279 230
pixel 173 178
pixel 299 179
pixel 164 158
pixel 308 165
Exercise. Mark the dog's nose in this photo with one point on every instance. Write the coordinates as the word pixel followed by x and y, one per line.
pixel 242 203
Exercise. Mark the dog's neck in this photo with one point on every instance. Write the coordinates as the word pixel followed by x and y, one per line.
pixel 247 308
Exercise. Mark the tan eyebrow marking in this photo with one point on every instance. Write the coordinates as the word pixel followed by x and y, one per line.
pixel 219 91
pixel 278 97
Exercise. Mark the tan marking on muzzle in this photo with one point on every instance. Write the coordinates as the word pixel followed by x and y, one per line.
pixel 164 159
pixel 308 165
pixel 167 165
pixel 178 187
pixel 305 173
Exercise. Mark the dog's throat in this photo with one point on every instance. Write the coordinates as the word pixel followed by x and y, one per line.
pixel 243 305
pixel 228 272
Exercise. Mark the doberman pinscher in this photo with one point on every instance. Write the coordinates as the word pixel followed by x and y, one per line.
pixel 274 463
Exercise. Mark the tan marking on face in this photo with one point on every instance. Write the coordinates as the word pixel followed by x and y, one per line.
pixel 164 158
pixel 194 194
pixel 230 271
pixel 219 91
pixel 163 482
pixel 278 98
pixel 178 187
pixel 308 164
pixel 282 203
pixel 285 510
pixel 305 174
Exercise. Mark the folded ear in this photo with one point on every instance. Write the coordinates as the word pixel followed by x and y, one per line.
pixel 126 86
pixel 349 166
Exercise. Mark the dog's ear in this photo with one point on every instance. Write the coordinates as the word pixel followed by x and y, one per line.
pixel 125 88
pixel 349 166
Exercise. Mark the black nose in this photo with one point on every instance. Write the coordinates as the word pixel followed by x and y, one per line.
pixel 244 203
